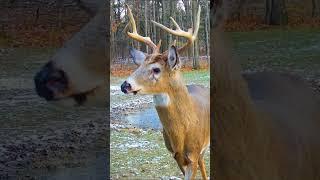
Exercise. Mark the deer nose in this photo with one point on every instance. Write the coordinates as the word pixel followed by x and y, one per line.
pixel 40 80
pixel 125 87
pixel 48 81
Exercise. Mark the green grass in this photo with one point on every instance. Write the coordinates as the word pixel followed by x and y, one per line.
pixel 24 62
pixel 201 77
pixel 279 49
pixel 150 160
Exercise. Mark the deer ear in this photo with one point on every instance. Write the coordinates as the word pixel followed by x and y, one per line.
pixel 137 56
pixel 173 58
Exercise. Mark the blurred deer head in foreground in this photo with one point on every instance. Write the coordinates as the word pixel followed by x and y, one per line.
pixel 183 109
pixel 76 74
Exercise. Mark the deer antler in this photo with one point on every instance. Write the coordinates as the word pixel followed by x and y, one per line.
pixel 191 36
pixel 134 35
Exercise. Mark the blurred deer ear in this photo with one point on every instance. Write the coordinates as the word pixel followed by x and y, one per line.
pixel 137 56
pixel 173 58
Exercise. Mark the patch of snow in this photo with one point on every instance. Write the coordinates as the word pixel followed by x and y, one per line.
pixel 143 145
pixel 170 178
pixel 117 126
pixel 132 103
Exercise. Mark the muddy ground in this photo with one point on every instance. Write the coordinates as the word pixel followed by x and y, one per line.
pixel 37 137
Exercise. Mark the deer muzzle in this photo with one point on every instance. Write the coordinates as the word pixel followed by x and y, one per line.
pixel 126 87
pixel 50 82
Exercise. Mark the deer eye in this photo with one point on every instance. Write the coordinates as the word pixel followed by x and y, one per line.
pixel 156 70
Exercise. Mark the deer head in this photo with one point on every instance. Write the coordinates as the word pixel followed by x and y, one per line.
pixel 76 74
pixel 156 70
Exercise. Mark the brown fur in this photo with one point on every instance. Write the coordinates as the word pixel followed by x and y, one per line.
pixel 186 122
pixel 266 125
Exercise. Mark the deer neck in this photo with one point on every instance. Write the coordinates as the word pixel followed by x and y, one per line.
pixel 239 131
pixel 175 107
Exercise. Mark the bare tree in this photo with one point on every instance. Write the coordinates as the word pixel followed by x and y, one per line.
pixel 276 13
pixel 195 47
pixel 146 20
pixel 315 8
pixel 207 26
pixel 160 11
pixel 60 8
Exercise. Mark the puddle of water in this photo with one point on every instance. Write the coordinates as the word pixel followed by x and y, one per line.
pixel 146 119
pixel 96 168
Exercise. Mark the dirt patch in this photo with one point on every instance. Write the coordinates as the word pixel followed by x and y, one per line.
pixel 35 134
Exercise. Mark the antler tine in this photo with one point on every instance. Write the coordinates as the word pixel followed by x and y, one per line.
pixel 134 35
pixel 191 36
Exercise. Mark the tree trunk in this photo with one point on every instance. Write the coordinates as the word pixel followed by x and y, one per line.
pixel 276 13
pixel 137 4
pixel 112 38
pixel 240 9
pixel 37 15
pixel 315 8
pixel 60 6
pixel 154 31
pixel 172 12
pixel 164 35
pixel 146 21
pixel 188 16
pixel 207 30
pixel 195 48
pixel 158 32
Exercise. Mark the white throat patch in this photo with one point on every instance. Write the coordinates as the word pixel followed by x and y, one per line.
pixel 161 99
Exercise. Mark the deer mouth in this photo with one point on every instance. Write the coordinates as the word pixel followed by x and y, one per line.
pixel 135 92
pixel 81 98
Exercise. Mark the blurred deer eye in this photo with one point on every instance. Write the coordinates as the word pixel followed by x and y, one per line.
pixel 156 70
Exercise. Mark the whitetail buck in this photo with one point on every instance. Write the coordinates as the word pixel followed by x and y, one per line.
pixel 183 110
pixel 266 124
pixel 77 73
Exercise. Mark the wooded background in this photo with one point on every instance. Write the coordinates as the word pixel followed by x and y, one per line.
pixel 249 15
pixel 183 11
pixel 40 23
pixel 49 23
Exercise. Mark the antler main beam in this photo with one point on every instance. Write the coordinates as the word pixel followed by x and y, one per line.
pixel 134 35
pixel 191 34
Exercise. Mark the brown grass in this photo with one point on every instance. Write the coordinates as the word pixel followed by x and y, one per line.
pixel 121 70
pixel 27 35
